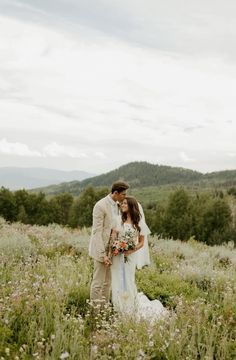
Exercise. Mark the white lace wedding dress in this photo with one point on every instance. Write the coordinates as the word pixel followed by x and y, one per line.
pixel 125 297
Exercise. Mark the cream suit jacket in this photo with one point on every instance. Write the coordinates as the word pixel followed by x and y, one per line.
pixel 102 226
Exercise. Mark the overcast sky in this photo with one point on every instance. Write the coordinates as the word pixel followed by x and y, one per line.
pixel 93 84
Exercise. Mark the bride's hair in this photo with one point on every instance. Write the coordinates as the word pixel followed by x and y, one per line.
pixel 134 212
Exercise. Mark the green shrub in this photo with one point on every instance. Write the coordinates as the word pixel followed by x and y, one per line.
pixel 77 299
pixel 165 287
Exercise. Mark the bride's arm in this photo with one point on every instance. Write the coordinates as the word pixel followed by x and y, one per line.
pixel 140 242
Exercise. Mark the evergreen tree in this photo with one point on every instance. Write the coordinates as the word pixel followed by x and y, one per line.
pixel 216 220
pixel 21 215
pixel 7 205
pixel 178 217
pixel 154 215
pixel 61 206
pixel 82 209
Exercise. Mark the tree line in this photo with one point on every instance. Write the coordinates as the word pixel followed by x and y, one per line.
pixel 205 216
pixel 64 209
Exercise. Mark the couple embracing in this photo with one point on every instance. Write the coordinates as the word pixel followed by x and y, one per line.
pixel 116 217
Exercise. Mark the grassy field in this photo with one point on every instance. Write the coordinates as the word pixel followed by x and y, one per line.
pixel 45 275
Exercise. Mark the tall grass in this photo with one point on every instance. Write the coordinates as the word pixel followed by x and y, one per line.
pixel 45 275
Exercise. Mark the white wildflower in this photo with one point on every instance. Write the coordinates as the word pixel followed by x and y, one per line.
pixel 64 355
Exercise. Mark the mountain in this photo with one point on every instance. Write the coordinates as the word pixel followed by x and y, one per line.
pixel 137 174
pixel 142 175
pixel 16 178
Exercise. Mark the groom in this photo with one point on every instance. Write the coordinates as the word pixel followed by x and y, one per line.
pixel 104 215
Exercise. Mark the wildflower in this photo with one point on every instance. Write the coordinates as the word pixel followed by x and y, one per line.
pixel 141 354
pixel 94 349
pixel 64 355
pixel 115 346
pixel 7 351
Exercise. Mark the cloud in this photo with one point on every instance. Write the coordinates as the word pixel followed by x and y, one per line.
pixel 231 154
pixel 77 87
pixel 133 105
pixel 185 158
pixel 51 150
pixel 17 148
pixel 56 150
pixel 207 26
pixel 100 155
pixel 193 128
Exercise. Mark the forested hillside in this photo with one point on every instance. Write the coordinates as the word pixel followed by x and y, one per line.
pixel 142 175
pixel 228 177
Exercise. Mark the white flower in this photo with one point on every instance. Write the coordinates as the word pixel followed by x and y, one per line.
pixel 64 355
pixel 94 349
pixel 141 354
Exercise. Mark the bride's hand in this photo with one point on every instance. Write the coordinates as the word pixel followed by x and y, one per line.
pixel 128 252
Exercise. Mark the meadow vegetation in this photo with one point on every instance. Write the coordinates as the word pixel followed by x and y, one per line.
pixel 45 275
pixel 173 212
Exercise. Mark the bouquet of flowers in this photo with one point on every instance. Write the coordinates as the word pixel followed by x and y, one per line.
pixel 126 241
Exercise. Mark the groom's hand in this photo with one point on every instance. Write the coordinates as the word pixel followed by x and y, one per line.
pixel 107 261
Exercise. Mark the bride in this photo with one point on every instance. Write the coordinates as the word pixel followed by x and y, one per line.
pixel 126 300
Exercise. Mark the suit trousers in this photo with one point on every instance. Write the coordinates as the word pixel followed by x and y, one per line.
pixel 101 283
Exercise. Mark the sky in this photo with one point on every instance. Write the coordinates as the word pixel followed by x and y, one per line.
pixel 94 84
